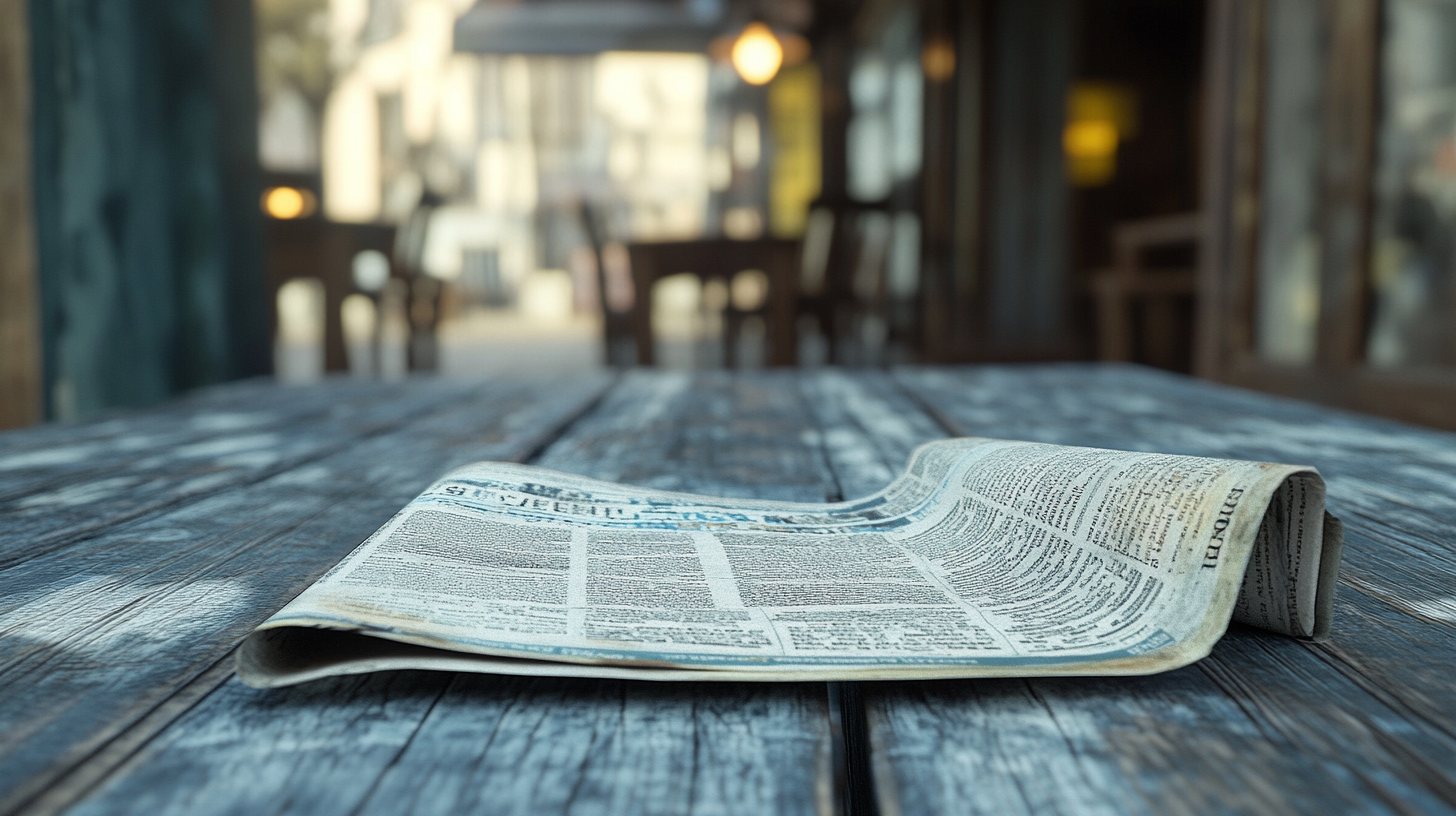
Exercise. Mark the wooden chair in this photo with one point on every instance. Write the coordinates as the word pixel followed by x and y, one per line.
pixel 842 272
pixel 1128 283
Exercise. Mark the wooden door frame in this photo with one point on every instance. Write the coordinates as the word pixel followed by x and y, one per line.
pixel 20 357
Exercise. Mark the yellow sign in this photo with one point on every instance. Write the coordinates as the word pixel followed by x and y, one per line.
pixel 793 116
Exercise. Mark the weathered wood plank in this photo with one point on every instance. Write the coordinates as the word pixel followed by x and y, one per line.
pixel 1266 725
pixel 57 449
pixel 1366 722
pixel 441 743
pixel 55 490
pixel 1232 734
pixel 868 427
pixel 712 433
pixel 94 636
pixel 103 434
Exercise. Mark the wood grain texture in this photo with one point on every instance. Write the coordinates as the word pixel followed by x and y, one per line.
pixel 1363 723
pixel 95 635
pixel 715 433
pixel 151 267
pixel 868 427
pixel 65 483
pixel 113 699
pixel 445 743
pixel 1352 113
pixel 1230 167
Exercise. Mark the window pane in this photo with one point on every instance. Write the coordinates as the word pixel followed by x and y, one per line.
pixel 1412 278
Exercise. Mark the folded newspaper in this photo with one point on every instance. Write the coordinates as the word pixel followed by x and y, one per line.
pixel 985 558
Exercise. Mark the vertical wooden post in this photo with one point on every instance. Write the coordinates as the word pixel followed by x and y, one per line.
pixel 1027 290
pixel 1229 184
pixel 832 51
pixel 832 47
pixel 1349 163
pixel 20 358
pixel 1216 195
pixel 1247 168
pixel 970 156
pixel 937 187
pixel 235 97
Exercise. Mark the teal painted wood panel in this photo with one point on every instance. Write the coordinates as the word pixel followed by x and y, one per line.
pixel 146 186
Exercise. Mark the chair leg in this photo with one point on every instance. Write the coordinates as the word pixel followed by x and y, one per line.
pixel 641 314
pixel 1160 331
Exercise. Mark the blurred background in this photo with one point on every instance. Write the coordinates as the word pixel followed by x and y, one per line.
pixel 1261 192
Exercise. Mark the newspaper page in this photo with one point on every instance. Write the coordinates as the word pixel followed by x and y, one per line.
pixel 985 558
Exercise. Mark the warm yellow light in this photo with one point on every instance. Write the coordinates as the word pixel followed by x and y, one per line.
pixel 1110 101
pixel 757 54
pixel 938 59
pixel 1090 139
pixel 288 202
pixel 1091 148
pixel 1100 115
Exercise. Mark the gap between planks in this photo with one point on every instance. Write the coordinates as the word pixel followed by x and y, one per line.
pixel 70 786
pixel 853 779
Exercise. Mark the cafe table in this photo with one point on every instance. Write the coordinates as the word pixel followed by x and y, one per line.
pixel 138 548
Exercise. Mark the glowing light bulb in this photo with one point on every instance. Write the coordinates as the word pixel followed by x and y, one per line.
pixel 1091 150
pixel 1090 138
pixel 288 202
pixel 757 54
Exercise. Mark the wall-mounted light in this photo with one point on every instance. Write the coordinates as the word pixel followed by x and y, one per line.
pixel 757 54
pixel 938 59
pixel 287 203
pixel 1100 115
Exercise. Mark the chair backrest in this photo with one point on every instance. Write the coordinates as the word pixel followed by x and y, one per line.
pixel 1129 279
pixel 815 251
pixel 843 273
pixel 1131 238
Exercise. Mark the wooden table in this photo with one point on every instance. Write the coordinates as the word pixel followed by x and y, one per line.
pixel 720 258
pixel 136 550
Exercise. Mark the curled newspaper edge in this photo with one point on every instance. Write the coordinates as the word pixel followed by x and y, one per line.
pixel 985 558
